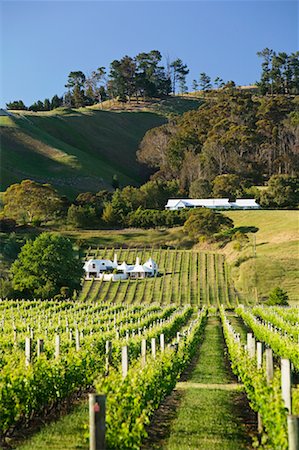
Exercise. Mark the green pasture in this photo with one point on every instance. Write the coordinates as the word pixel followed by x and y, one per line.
pixel 276 245
pixel 75 150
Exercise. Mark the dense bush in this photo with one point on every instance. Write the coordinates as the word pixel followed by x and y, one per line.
pixel 206 222
pixel 282 192
pixel 150 218
pixel 278 297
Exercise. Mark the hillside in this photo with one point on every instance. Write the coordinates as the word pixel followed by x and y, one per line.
pixel 80 150
pixel 277 250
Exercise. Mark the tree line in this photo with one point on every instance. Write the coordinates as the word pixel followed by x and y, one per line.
pixel 232 132
pixel 146 76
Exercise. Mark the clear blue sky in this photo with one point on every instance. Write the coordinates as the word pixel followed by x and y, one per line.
pixel 42 41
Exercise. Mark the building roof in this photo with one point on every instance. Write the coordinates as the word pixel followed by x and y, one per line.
pixel 187 202
pixel 139 268
pixel 211 203
pixel 245 202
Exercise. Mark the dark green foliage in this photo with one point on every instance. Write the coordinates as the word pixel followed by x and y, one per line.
pixel 205 222
pixel 278 297
pixel 205 82
pixel 56 102
pixel 151 218
pixel 7 225
pixel 11 247
pixel 228 186
pixel 200 188
pixel 17 105
pixel 280 72
pixel 45 265
pixel 282 192
pixel 115 182
pixel 232 133
pixel 82 216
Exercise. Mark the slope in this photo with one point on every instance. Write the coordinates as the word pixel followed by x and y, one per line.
pixel 276 249
pixel 81 149
pixel 75 150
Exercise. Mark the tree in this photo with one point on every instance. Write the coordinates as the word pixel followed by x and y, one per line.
pixel 179 71
pixel 206 222
pixel 16 105
pixel 151 79
pixel 37 106
pixel 47 104
pixel 228 186
pixel 94 91
pixel 282 192
pixel 123 78
pixel 219 83
pixel 205 81
pixel 194 85
pixel 200 188
pixel 56 102
pixel 30 200
pixel 75 84
pixel 45 265
pixel 82 216
pixel 278 297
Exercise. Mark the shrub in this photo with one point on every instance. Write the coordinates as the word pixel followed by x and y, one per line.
pixel 278 297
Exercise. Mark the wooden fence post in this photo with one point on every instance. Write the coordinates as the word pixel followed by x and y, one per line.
pixel 269 364
pixel 154 348
pixel 286 383
pixel 27 351
pixel 162 342
pixel 39 347
pixel 77 337
pixel 97 422
pixel 259 354
pixel 293 432
pixel 143 352
pixel 57 346
pixel 108 355
pixel 250 345
pixel 124 361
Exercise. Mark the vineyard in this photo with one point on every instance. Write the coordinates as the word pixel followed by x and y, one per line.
pixel 131 341
pixel 185 278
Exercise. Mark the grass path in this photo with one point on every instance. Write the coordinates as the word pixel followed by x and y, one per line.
pixel 208 410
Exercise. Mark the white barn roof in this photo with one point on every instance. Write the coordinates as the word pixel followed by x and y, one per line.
pixel 177 203
pixel 189 202
pixel 245 203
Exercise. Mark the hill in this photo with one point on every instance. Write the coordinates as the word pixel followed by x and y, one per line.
pixel 276 245
pixel 80 150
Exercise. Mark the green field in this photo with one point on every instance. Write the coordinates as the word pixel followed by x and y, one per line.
pixel 277 253
pixel 185 277
pixel 80 150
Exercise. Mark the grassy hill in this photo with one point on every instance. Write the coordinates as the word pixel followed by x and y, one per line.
pixel 81 149
pixel 277 251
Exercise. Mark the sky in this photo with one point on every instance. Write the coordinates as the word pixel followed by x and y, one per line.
pixel 42 41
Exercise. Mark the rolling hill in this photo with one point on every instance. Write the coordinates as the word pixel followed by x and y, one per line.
pixel 80 149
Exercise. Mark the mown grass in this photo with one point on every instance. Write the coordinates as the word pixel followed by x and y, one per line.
pixel 277 253
pixel 209 414
pixel 67 433
pixel 75 150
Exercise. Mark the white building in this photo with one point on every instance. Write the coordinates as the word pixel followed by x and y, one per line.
pixel 211 203
pixel 107 270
